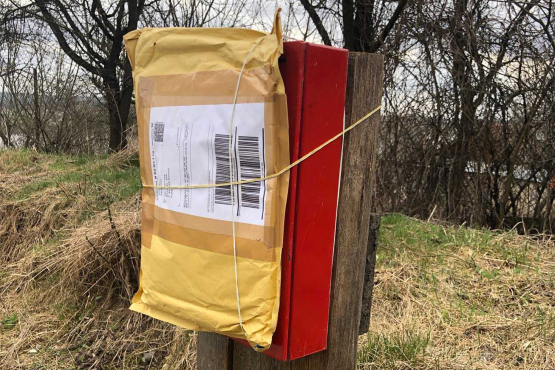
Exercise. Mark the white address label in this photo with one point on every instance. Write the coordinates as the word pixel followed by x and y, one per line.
pixel 189 145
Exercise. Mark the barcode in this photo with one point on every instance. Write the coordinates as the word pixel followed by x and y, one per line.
pixel 159 132
pixel 221 149
pixel 250 167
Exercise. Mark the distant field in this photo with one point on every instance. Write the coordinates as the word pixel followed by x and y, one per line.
pixel 445 297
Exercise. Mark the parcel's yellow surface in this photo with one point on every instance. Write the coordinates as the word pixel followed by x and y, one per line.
pixel 185 81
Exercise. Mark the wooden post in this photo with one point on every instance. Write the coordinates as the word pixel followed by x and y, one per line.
pixel 368 286
pixel 214 352
pixel 364 93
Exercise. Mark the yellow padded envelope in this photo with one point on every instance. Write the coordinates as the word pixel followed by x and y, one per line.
pixel 185 81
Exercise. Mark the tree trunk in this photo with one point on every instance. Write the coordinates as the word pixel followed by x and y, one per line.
pixel 459 164
pixel 348 24
pixel 36 113
pixel 119 104
pixel 118 126
pixel 466 112
pixel 364 31
pixel 547 227
pixel 5 137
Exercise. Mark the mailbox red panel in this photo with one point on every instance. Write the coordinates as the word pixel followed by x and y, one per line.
pixel 315 78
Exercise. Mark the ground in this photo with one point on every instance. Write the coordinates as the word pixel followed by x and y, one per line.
pixel 445 297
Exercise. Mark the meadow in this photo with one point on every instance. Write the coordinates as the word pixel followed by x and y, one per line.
pixel 445 297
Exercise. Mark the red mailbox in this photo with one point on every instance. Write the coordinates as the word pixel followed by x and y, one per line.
pixel 315 78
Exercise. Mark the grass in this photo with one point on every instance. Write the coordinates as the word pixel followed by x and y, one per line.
pixel 450 297
pixel 45 196
pixel 105 185
pixel 9 321
pixel 91 176
pixel 445 297
pixel 405 347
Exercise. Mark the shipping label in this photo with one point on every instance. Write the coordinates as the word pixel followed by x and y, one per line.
pixel 189 145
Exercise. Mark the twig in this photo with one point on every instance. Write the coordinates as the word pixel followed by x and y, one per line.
pixel 113 225
pixel 69 196
pixel 432 214
pixel 98 252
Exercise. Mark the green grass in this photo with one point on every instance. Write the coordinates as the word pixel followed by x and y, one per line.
pixel 90 175
pixel 89 172
pixel 15 160
pixel 387 350
pixel 438 244
pixel 430 237
pixel 9 321
pixel 95 178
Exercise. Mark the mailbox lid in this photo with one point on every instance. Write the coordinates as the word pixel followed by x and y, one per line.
pixel 292 69
pixel 323 112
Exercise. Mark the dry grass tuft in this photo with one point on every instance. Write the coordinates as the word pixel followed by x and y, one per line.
pixel 64 299
pixel 27 223
pixel 80 290
pixel 127 155
pixel 104 250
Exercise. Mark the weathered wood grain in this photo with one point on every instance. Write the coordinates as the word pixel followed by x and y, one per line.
pixel 214 352
pixel 245 358
pixel 369 272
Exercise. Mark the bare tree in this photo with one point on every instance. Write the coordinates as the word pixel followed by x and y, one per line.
pixel 470 113
pixel 91 34
pixel 365 24
pixel 47 105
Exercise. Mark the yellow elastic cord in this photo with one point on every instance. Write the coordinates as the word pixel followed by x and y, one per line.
pixel 231 188
pixel 281 172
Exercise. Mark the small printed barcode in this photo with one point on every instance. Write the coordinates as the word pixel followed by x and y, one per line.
pixel 250 167
pixel 221 149
pixel 159 132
